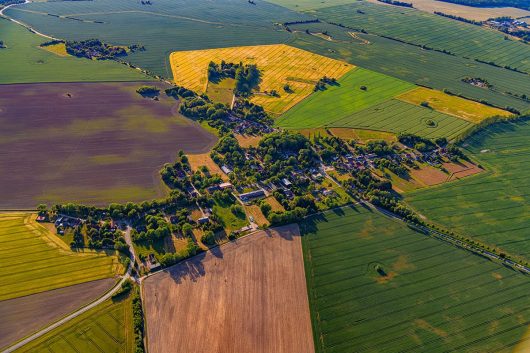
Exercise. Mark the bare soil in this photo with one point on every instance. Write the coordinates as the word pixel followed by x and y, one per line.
pixel 462 169
pixel 248 296
pixel 429 175
pixel 24 315
pixel 92 143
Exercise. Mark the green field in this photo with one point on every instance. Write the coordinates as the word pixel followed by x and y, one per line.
pixel 428 297
pixel 413 64
pixel 437 32
pixel 347 97
pixel 36 261
pixel 162 27
pixel 492 207
pixel 347 105
pixel 23 61
pixel 229 220
pixel 106 328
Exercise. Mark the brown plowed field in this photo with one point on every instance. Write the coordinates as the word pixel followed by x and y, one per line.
pixel 24 315
pixel 247 296
pixel 88 142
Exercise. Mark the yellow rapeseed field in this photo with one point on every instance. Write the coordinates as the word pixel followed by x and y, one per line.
pixel 59 49
pixel 452 105
pixel 279 65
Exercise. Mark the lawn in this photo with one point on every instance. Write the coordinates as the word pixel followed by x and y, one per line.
pixel 278 64
pixel 439 33
pixel 357 90
pixel 161 27
pixel 105 328
pixel 414 64
pixel 23 61
pixel 492 207
pixel 229 220
pixel 452 105
pixel 72 132
pixel 361 135
pixel 38 261
pixel 375 285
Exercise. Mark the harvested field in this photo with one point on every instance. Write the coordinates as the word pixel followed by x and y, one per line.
pixel 73 132
pixel 472 13
pixel 462 108
pixel 249 296
pixel 462 169
pixel 254 211
pixel 279 65
pixel 22 316
pixel 39 261
pixel 106 328
pixel 376 285
pixel 275 205
pixel 198 160
pixel 429 176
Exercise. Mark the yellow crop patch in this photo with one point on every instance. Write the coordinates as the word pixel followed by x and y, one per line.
pixel 279 65
pixel 58 49
pixel 462 108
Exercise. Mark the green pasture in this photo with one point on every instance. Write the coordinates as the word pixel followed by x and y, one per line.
pixel 492 207
pixel 347 97
pixel 413 64
pixel 436 32
pixel 36 262
pixel 162 27
pixel 23 61
pixel 347 105
pixel 229 220
pixel 106 328
pixel 376 285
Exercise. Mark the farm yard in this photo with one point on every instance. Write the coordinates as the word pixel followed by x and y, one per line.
pixel 279 65
pixel 348 105
pixel 377 286
pixel 31 249
pixel 462 108
pixel 106 328
pixel 25 315
pixel 491 207
pixel 460 39
pixel 247 296
pixel 73 132
pixel 414 64
pixel 161 27
pixel 23 61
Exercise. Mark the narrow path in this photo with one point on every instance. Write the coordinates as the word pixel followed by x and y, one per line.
pixel 28 27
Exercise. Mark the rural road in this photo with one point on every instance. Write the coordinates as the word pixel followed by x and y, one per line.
pixel 73 315
pixel 31 29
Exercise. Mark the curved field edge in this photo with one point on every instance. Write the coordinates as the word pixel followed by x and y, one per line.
pixel 24 62
pixel 376 285
pixel 105 328
pixel 25 315
pixel 41 262
pixel 491 207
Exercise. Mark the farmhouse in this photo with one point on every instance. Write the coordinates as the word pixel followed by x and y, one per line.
pixel 252 195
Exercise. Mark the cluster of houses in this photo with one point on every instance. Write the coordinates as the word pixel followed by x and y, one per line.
pixel 243 126
pixel 510 26
pixel 62 222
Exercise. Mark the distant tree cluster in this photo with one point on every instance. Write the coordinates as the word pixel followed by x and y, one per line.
pixel 178 91
pixel 247 78
pixel 322 84
pixel 10 2
pixel 459 18
pixel 148 90
pixel 417 142
pixel 397 3
pixel 224 70
pixel 138 321
pixel 96 49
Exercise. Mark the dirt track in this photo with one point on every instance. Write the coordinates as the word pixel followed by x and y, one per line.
pixel 247 296
pixel 22 316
